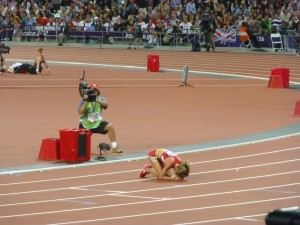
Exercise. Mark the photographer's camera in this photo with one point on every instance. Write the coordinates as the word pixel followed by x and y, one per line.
pixel 91 97
pixel 85 90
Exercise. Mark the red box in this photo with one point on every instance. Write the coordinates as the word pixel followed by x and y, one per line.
pixel 153 63
pixel 275 81
pixel 49 149
pixel 284 73
pixel 75 145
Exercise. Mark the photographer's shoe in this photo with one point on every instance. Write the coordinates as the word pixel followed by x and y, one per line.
pixel 116 150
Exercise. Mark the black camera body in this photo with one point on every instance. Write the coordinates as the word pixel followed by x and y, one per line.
pixel 205 23
pixel 85 90
pixel 91 97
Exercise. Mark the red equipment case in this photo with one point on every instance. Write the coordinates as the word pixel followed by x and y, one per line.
pixel 153 63
pixel 75 145
pixel 284 73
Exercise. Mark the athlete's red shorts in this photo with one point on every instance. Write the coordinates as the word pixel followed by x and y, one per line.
pixel 152 153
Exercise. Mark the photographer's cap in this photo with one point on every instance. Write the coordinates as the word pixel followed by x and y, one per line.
pixel 94 86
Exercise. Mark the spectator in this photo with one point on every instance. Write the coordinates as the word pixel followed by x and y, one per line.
pixel 238 23
pixel 266 25
pixel 51 25
pixel 64 14
pixel 132 9
pixel 236 10
pixel 255 27
pixel 185 26
pixel 174 34
pixel 72 11
pixel 191 7
pixel 295 24
pixel 129 24
pixel 276 23
pixel 166 10
pixel 88 21
pixel 140 22
pixel 29 25
pixel 17 32
pixel 119 24
pixel 227 11
pixel 159 28
pixel 62 33
pixel 78 23
pixel 197 22
pixel 137 37
pixel 285 17
pixel 123 12
pixel 175 3
pixel 174 18
pixel 245 10
pixel 142 4
pixel 115 15
pixel 109 25
pixel 253 31
pixel 41 20
pixel 150 26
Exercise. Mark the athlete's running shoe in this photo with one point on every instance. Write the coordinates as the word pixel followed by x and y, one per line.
pixel 144 171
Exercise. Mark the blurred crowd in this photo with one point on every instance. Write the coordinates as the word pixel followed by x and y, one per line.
pixel 262 16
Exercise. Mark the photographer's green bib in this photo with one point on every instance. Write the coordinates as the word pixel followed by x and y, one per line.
pixel 93 116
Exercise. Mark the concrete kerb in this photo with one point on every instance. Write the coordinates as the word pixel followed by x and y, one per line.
pixel 282 133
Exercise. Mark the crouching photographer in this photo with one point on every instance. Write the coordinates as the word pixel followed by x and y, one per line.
pixel 90 110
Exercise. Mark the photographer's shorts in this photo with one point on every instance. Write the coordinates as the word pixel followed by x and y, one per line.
pixel 98 130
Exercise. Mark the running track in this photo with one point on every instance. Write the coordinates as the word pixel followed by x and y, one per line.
pixel 236 185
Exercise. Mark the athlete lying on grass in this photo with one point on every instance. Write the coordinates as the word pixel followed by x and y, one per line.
pixel 161 163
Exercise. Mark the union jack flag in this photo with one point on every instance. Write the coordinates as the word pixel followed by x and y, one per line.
pixel 225 36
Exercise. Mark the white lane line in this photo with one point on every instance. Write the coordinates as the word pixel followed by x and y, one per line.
pixel 69 178
pixel 156 189
pixel 173 211
pixel 250 155
pixel 129 171
pixel 97 190
pixel 247 167
pixel 144 68
pixel 146 202
pixel 247 219
pixel 141 180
